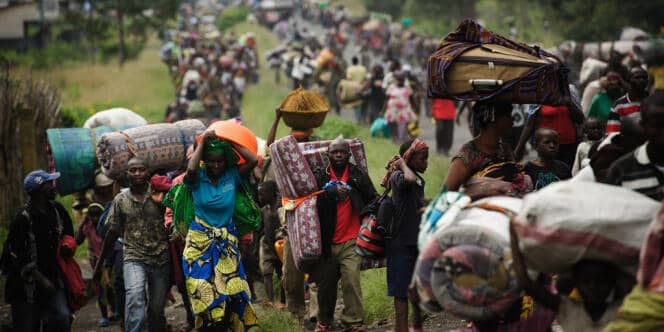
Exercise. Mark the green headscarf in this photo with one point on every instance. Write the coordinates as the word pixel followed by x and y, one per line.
pixel 217 146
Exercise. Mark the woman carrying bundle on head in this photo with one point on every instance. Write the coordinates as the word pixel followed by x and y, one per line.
pixel 486 166
pixel 214 273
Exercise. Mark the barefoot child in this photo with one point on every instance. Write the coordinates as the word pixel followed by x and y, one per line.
pixel 401 250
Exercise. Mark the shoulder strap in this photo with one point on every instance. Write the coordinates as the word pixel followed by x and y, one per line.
pixel 32 241
pixel 58 217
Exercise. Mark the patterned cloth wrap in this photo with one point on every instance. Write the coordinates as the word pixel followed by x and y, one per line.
pixel 293 175
pixel 215 277
pixel 294 180
pixel 316 154
pixel 546 84
pixel 464 268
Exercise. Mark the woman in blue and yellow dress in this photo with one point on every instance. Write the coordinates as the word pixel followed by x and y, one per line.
pixel 215 277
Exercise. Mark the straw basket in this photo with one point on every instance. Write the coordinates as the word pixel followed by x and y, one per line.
pixel 303 109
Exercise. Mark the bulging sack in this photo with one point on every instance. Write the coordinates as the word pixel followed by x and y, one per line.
pixel 567 222
pixel 163 146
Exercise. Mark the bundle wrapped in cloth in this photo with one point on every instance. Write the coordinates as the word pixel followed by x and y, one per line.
pixel 163 146
pixel 71 151
pixel 294 164
pixel 297 183
pixel 315 154
pixel 567 222
pixel 465 267
pixel 474 64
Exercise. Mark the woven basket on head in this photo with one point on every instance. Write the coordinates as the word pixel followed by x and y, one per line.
pixel 303 109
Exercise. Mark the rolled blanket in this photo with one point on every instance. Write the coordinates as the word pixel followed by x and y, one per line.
pixel 315 153
pixel 465 267
pixel 472 280
pixel 163 146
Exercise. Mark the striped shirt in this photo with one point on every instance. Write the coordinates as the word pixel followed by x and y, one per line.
pixel 635 171
pixel 622 107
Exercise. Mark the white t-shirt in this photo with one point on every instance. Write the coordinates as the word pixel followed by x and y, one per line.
pixel 572 316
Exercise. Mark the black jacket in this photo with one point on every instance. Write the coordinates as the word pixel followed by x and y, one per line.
pixel 44 228
pixel 362 192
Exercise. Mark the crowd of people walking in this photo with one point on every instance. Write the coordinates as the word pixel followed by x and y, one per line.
pixel 186 227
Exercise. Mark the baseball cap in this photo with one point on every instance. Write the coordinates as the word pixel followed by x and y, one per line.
pixel 35 179
pixel 101 180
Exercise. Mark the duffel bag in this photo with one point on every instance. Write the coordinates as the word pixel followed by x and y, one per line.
pixel 473 64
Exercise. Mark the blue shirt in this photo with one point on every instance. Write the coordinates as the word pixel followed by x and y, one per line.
pixel 215 204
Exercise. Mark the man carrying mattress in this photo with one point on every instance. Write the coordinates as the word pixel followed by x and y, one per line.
pixel 346 191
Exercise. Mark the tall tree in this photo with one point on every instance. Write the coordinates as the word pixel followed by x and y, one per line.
pixel 592 20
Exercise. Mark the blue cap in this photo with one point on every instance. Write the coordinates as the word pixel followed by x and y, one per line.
pixel 35 179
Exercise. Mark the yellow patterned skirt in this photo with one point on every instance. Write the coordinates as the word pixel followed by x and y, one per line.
pixel 215 278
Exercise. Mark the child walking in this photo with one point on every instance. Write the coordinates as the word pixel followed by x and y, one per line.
pixel 546 169
pixel 88 230
pixel 403 178
pixel 593 130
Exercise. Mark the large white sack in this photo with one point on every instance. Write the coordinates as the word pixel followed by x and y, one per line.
pixel 591 69
pixel 570 221
pixel 118 118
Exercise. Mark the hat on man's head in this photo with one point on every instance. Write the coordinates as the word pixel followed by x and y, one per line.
pixel 101 180
pixel 35 179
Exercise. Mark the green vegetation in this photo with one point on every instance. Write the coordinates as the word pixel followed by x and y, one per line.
pixel 231 16
pixel 543 22
pixel 271 319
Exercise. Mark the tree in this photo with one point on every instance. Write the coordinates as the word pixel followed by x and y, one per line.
pixel 595 20
pixel 132 19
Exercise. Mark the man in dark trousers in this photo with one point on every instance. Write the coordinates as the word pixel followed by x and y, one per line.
pixel 346 191
pixel 35 288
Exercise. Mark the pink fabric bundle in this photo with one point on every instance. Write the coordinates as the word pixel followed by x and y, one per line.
pixel 295 179
pixel 315 154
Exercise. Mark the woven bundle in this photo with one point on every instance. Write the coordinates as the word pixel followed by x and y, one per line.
pixel 303 109
pixel 301 100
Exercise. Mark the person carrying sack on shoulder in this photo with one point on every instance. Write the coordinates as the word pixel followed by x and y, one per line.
pixel 35 287
pixel 403 178
pixel 346 191
pixel 139 219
